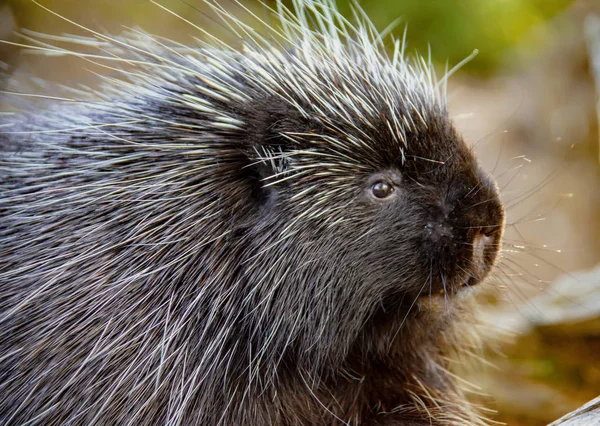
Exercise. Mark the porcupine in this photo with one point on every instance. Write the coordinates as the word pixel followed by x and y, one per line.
pixel 242 237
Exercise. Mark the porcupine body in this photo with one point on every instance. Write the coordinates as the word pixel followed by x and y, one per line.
pixel 252 237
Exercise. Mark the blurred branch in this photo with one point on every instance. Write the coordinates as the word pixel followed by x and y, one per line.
pixel 588 414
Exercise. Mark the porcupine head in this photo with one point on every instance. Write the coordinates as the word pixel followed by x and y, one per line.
pixel 253 236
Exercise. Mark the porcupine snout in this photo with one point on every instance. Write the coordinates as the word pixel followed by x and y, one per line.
pixel 482 240
pixel 462 233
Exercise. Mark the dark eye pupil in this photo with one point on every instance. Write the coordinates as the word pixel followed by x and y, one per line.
pixel 382 189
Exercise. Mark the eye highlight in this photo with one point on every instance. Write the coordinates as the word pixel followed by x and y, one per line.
pixel 382 189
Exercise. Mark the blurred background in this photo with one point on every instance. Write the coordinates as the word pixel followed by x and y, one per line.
pixel 528 102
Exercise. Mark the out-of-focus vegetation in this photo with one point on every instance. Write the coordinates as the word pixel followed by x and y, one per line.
pixel 527 102
pixel 452 28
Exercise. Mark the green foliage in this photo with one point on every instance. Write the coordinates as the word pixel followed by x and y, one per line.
pixel 454 28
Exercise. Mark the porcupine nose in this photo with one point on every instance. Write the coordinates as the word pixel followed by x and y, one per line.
pixel 447 247
pixel 480 242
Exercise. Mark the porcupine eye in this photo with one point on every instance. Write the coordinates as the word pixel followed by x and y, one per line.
pixel 382 190
pixel 383 187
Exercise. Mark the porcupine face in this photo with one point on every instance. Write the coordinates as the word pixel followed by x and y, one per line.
pixel 356 215
pixel 389 218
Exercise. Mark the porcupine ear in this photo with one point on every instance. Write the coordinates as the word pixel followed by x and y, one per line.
pixel 270 146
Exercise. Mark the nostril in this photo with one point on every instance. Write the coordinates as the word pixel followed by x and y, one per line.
pixel 489 231
pixel 481 241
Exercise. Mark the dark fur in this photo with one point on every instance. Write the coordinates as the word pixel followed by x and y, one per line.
pixel 158 294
